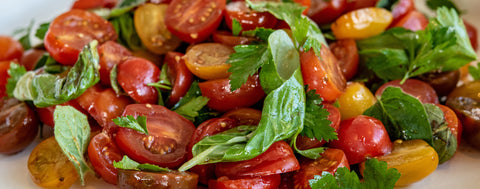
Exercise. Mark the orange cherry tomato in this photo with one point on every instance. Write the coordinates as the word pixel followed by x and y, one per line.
pixel 207 60
pixel 362 23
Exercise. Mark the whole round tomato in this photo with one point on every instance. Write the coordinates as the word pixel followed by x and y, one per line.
pixel 166 143
pixel 346 52
pixel 179 75
pixel 304 143
pixel 71 31
pixel 264 182
pixel 248 19
pixel 102 152
pixel 111 54
pixel 222 99
pixel 143 179
pixel 10 49
pixel 362 23
pixel 194 21
pixel 418 89
pixel 134 74
pixel 362 137
pixel 325 12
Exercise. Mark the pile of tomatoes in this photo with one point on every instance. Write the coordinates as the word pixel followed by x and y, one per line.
pixel 192 40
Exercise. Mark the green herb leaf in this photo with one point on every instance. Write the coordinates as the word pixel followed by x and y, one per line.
pixel 129 164
pixel 42 30
pixel 113 80
pixel 386 4
pixel 236 27
pixel 139 124
pixel 15 72
pixel 124 7
pixel 435 4
pixel 192 104
pixel 24 34
pixel 474 72
pixel 125 28
pixel 444 142
pixel 50 65
pixel 72 133
pixel 245 62
pixel 316 121
pixel 261 33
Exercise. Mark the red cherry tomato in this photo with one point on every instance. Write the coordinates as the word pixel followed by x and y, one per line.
pixel 194 20
pixel 359 4
pixel 324 12
pixel 263 182
pixel 472 34
pixel 145 179
pixel 305 3
pixel 245 116
pixel 179 75
pixel 111 53
pixel 71 31
pixel 362 137
pixel 134 74
pixel 166 143
pixel 414 21
pixel 453 123
pixel 400 9
pixel 279 158
pixel 419 89
pixel 10 49
pixel 4 67
pixel 248 19
pixel 221 99
pixel 323 74
pixel 227 38
pixel 330 161
pixel 345 50
pixel 304 143
pixel 46 114
pixel 102 152
pixel 31 57
pixel 93 4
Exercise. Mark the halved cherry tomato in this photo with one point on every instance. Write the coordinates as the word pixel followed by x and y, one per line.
pixel 111 54
pixel 10 49
pixel 245 116
pixel 71 31
pixel 322 74
pixel 356 99
pixel 453 122
pixel 400 9
pixel 418 89
pixel 472 34
pixel 359 4
pixel 414 20
pixel 362 137
pixel 279 158
pixel 346 52
pixel 263 182
pixel 330 161
pixel 102 152
pixel 150 26
pixel 46 114
pixel 93 4
pixel 362 23
pixel 222 99
pixel 31 57
pixel 143 179
pixel 179 75
pixel 134 74
pixel 207 60
pixel 4 67
pixel 166 143
pixel 227 38
pixel 248 19
pixel 325 12
pixel 442 82
pixel 304 143
pixel 194 20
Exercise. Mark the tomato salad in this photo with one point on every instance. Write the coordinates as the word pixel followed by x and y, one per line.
pixel 241 94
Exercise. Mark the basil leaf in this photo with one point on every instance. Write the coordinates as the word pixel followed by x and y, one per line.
pixel 139 124
pixel 236 27
pixel 15 72
pixel 129 164
pixel 24 38
pixel 42 30
pixel 72 133
pixel 444 142
pixel 125 28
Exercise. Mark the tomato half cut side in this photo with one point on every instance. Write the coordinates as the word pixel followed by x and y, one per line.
pixel 179 76
pixel 264 182
pixel 194 21
pixel 166 143
pixel 208 60
pixel 143 179
pixel 346 52
pixel 102 152
pixel 134 74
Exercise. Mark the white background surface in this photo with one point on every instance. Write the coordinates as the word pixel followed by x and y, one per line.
pixel 462 171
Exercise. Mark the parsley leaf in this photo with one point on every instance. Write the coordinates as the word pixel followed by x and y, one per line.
pixel 15 72
pixel 129 164
pixel 261 33
pixel 192 104
pixel 139 124
pixel 42 30
pixel 435 4
pixel 316 124
pixel 236 27
pixel 245 62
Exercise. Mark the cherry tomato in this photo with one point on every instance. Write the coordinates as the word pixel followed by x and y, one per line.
pixel 443 83
pixel 248 19
pixel 245 116
pixel 142 179
pixel 418 89
pixel 279 158
pixel 263 182
pixel 4 67
pixel 179 75
pixel 31 57
pixel 346 52
pixel 304 143
pixel 414 20
pixel 359 4
pixel 150 26
pixel 400 9
pixel 413 159
pixel 46 114
pixel 102 152
pixel 325 12
pixel 18 125
pixel 356 99
pixel 222 99
pixel 472 34
pixel 362 23
pixel 71 31
pixel 330 161
pixel 227 38
pixel 134 74
pixel 93 4
pixel 362 137
pixel 453 122
pixel 322 74
pixel 111 54
pixel 49 167
pixel 10 49
pixel 207 60
pixel 166 143
pixel 194 20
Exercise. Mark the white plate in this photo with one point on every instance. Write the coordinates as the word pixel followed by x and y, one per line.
pixel 462 171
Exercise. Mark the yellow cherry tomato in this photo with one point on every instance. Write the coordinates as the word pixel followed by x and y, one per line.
pixel 355 100
pixel 414 159
pixel 362 23
pixel 207 60
pixel 49 167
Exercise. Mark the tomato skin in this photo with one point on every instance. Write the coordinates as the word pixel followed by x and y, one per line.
pixel 362 23
pixel 111 53
pixel 400 9
pixel 92 4
pixel 419 89
pixel 346 52
pixel 227 38
pixel 304 143
pixel 362 137
pixel 322 74
pixel 359 4
pixel 325 12
pixel 31 57
pixel 263 182
pixel 134 74
pixel 472 34
pixel 279 158
pixel 130 179
pixel 356 99
pixel 245 116
pixel 222 99
pixel 331 159
pixel 166 144
pixel 194 21
pixel 71 31
pixel 102 152
pixel 453 123
pixel 179 75
pixel 414 20
pixel 248 19
pixel 46 114
pixel 4 67
pixel 10 49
